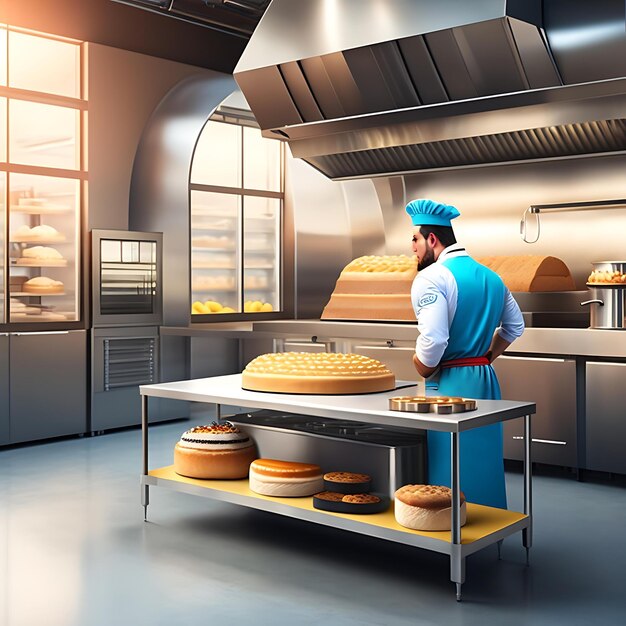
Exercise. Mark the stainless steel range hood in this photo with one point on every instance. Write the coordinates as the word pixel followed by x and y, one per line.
pixel 377 87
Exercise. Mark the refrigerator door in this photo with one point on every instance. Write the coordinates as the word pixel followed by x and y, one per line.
pixel 48 385
pixel 4 389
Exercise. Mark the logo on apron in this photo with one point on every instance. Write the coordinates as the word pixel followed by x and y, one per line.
pixel 429 298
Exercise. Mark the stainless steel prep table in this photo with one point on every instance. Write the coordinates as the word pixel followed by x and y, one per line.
pixel 485 525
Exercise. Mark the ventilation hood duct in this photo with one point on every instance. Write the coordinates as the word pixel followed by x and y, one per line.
pixel 378 88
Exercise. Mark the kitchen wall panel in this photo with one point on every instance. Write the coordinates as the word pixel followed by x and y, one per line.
pixel 493 199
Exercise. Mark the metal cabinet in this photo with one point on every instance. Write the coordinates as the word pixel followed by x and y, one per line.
pixel 606 416
pixel 48 385
pixel 4 388
pixel 551 384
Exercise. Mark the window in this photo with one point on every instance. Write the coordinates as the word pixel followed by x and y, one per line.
pixel 236 201
pixel 42 176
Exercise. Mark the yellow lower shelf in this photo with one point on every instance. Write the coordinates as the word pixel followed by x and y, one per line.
pixel 482 521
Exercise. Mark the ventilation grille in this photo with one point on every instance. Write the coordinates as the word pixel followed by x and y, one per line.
pixel 129 362
pixel 539 143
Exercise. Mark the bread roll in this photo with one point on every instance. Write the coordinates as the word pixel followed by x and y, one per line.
pixel 531 272
pixel 426 507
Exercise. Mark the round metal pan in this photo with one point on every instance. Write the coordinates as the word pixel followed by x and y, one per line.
pixel 442 405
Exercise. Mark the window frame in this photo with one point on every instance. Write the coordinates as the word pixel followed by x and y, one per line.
pixel 242 193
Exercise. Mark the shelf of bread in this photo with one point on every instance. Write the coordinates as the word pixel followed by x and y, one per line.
pixel 43 234
pixel 213 243
pixel 40 256
pixel 482 521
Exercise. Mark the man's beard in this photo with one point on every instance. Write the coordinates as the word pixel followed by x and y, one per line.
pixel 427 259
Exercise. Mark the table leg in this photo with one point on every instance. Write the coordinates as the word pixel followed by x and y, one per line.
pixel 527 535
pixel 218 412
pixel 457 561
pixel 145 497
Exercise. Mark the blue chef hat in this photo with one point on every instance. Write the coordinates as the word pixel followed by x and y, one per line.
pixel 426 212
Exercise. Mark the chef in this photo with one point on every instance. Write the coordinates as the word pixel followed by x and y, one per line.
pixel 466 318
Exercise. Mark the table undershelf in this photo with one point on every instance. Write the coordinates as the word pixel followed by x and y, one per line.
pixel 485 525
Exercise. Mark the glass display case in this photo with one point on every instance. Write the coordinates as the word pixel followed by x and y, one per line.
pixel 44 236
pixel 236 197
pixel 3 178
pixel 42 181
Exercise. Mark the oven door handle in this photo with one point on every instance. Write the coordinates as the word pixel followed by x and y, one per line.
pixel 600 302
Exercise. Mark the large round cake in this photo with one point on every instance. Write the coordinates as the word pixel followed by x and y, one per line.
pixel 214 451
pixel 316 373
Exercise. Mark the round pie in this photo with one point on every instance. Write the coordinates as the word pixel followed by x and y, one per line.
pixel 316 373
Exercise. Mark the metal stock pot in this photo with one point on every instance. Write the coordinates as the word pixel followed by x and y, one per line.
pixel 608 300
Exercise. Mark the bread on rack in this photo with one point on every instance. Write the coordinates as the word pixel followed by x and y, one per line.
pixel 426 507
pixel 41 255
pixel 316 373
pixel 43 232
pixel 530 272
pixel 273 477
pixel 374 288
pixel 43 285
pixel 216 451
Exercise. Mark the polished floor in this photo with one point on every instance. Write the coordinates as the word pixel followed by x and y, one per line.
pixel 74 551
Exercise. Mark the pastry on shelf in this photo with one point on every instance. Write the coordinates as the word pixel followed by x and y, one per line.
pixel 255 282
pixel 41 285
pixel 273 477
pixel 353 504
pixel 43 232
pixel 256 306
pixel 426 507
pixel 210 306
pixel 207 241
pixel 204 283
pixel 41 255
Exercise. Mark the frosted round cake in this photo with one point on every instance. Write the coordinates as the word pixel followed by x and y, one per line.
pixel 316 373
pixel 214 451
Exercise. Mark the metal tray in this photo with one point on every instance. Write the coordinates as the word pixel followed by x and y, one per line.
pixel 442 405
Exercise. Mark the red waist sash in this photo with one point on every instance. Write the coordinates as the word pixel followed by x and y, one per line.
pixel 465 362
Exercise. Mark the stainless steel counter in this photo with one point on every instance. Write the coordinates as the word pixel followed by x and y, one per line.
pixel 547 341
pixel 372 408
pixel 227 390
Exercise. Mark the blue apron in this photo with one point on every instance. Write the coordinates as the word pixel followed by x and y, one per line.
pixel 479 312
